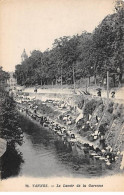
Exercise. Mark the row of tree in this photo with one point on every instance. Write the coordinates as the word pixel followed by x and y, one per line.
pixel 80 56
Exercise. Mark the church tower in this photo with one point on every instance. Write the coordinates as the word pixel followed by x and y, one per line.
pixel 24 56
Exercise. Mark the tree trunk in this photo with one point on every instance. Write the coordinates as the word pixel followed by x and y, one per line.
pixel 120 78
pixel 89 80
pixel 114 80
pixel 95 79
pixel 86 85
pixel 52 83
pixel 73 76
pixel 56 80
pixel 107 87
pixel 102 81
pixel 61 74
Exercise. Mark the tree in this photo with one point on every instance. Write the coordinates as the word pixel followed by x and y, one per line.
pixel 60 45
pixel 4 76
pixel 108 43
pixel 71 58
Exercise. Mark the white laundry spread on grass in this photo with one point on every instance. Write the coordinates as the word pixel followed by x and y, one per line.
pixel 79 117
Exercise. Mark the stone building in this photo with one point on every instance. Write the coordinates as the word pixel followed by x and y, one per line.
pixel 24 56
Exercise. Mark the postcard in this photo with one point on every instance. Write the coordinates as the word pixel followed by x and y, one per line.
pixel 62 95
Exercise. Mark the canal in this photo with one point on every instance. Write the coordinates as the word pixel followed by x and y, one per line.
pixel 40 156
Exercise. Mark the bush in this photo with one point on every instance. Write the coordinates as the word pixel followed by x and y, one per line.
pixel 80 104
pixel 91 106
pixel 9 120
pixel 103 128
pixel 117 114
pixel 80 123
pixel 110 107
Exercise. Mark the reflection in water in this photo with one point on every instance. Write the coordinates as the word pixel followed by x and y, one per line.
pixel 43 157
pixel 39 153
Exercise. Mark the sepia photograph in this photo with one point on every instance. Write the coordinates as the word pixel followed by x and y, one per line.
pixel 62 95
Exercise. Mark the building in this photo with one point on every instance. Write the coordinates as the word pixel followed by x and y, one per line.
pixel 24 56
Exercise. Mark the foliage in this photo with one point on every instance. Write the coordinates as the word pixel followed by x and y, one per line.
pixel 3 75
pixel 9 120
pixel 81 104
pixel 91 106
pixel 79 56
pixel 110 108
pixel 103 128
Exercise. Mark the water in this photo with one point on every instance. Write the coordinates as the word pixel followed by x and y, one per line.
pixel 40 153
pixel 41 157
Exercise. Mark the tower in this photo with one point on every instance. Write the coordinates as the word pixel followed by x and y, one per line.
pixel 24 56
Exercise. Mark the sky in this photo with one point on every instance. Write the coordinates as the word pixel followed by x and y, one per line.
pixel 34 24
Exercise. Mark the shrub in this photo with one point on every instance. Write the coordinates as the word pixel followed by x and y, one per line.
pixel 117 114
pixel 110 107
pixel 103 128
pixel 9 120
pixel 80 104
pixel 91 105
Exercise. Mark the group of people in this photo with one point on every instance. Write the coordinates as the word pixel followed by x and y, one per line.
pixel 102 152
pixel 99 93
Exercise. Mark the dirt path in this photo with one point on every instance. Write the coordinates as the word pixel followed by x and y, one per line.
pixel 119 92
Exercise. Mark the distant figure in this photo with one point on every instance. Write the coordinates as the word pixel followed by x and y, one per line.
pixel 113 94
pixel 35 90
pixel 97 119
pixel 99 93
pixel 102 142
pixel 26 111
pixel 98 150
pixel 41 121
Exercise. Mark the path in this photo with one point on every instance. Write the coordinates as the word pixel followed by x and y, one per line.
pixel 119 95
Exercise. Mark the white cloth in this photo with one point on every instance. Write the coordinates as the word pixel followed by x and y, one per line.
pixel 79 117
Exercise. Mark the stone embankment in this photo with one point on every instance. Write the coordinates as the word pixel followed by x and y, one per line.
pixel 86 124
